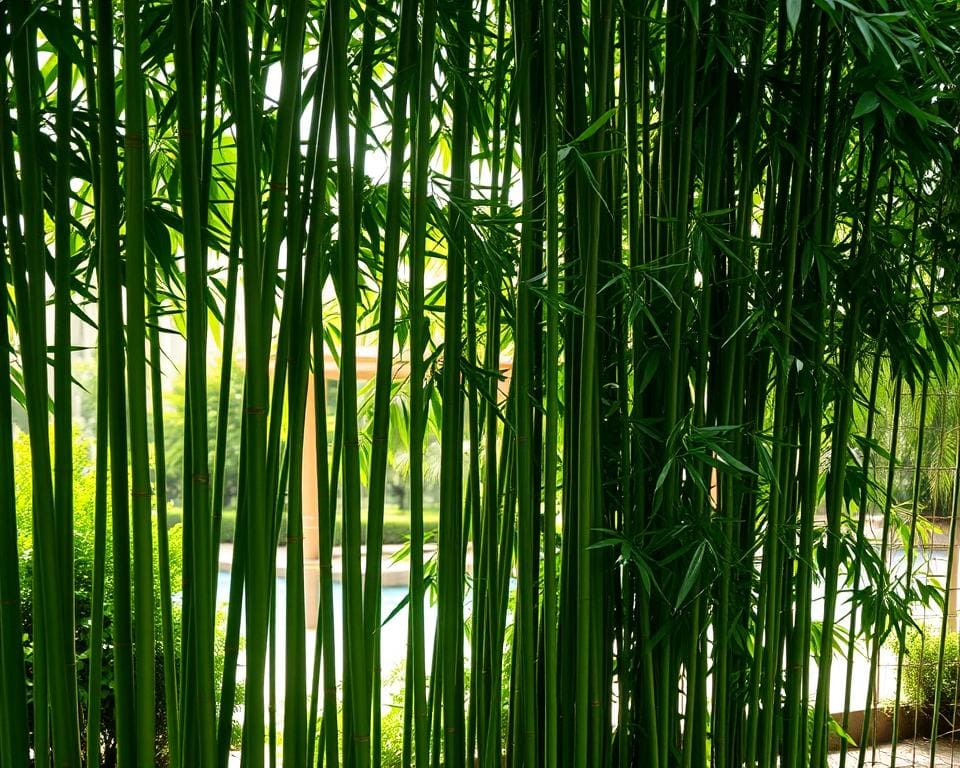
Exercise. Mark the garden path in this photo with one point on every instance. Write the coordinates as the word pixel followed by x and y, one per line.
pixel 911 753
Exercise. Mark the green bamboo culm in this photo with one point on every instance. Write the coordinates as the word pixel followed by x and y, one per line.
pixel 379 437
pixel 135 161
pixel 94 689
pixel 552 362
pixel 111 327
pixel 27 255
pixel 416 703
pixel 450 565
pixel 356 746
pixel 14 745
pixel 255 408
pixel 528 554
pixel 63 405
pixel 197 707
pixel 171 696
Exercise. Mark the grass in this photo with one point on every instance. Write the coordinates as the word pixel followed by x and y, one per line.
pixel 396 524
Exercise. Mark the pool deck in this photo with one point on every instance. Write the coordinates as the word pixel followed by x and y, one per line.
pixel 911 753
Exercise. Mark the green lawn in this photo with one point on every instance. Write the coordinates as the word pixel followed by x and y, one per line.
pixel 396 524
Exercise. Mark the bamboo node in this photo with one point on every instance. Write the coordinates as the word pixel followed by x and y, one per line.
pixel 201 477
pixel 254 411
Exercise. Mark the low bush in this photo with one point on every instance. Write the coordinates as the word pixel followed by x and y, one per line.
pixel 84 488
pixel 392 721
pixel 84 508
pixel 921 666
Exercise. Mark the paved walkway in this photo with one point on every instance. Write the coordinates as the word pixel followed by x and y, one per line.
pixel 910 754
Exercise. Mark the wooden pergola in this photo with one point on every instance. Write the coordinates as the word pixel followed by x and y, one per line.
pixel 366 370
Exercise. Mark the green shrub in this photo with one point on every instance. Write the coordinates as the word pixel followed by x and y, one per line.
pixel 228 525
pixel 391 723
pixel 174 516
pixel 921 666
pixel 396 524
pixel 84 495
pixel 174 408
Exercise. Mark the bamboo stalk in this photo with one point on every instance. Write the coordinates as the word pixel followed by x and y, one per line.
pixel 136 159
pixel 14 748
pixel 356 748
pixel 383 384
pixel 417 701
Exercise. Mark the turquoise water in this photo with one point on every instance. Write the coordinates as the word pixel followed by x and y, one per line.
pixel 393 638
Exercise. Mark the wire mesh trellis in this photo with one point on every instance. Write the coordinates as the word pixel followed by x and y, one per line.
pixel 913 717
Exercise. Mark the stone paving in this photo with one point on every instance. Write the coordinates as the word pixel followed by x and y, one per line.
pixel 911 753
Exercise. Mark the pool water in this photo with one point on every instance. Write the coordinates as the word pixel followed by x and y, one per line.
pixel 393 637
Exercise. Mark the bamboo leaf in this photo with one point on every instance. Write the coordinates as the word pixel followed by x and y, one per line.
pixel 867 103
pixel 595 126
pixel 793 13
pixel 62 35
pixel 865 31
pixel 692 575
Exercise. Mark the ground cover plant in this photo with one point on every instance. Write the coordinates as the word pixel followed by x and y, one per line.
pixel 652 289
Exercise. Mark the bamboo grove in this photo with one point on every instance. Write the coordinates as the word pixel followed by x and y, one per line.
pixel 661 280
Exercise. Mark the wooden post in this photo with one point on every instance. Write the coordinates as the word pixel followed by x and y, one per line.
pixel 311 512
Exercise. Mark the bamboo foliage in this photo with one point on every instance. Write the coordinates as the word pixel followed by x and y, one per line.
pixel 651 289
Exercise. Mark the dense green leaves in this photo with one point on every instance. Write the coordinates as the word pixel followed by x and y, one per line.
pixel 656 303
